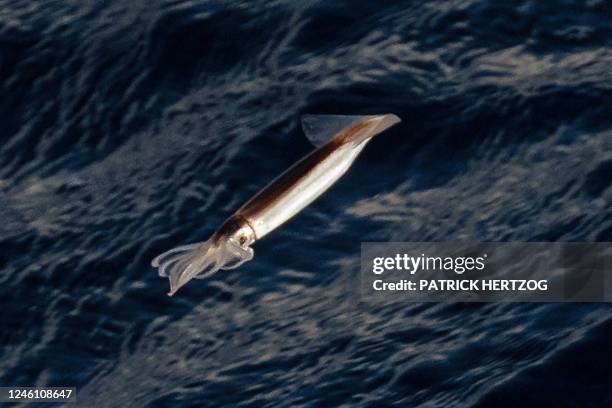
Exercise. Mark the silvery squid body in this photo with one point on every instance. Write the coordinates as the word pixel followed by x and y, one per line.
pixel 339 140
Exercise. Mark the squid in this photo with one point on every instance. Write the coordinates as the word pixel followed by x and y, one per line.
pixel 338 140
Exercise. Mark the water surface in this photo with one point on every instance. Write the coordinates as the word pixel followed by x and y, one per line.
pixel 129 127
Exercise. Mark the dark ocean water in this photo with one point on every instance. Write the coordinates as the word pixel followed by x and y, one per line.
pixel 129 127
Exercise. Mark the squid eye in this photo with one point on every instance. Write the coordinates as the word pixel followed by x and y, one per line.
pixel 242 239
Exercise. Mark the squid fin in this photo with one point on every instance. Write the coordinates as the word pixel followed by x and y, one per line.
pixel 320 129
